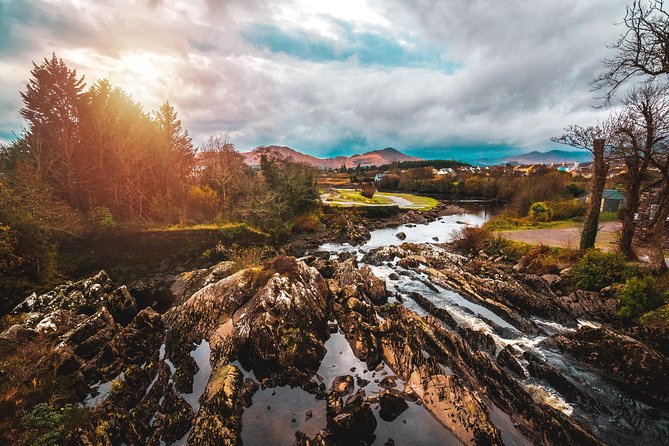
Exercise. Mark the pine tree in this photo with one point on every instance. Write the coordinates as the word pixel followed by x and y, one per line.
pixel 53 101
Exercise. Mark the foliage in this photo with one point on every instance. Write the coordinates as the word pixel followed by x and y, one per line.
pixel 247 257
pixel 308 222
pixel 102 218
pixel 597 270
pixel 575 190
pixel 203 203
pixel 566 209
pixel 641 295
pixel 368 191
pixel 656 318
pixel 234 232
pixel 471 239
pixel 47 425
pixel 389 182
pixel 540 212
pixel 38 221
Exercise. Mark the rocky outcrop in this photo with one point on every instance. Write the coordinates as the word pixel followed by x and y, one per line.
pixel 626 359
pixel 405 337
pixel 591 305
pixel 352 421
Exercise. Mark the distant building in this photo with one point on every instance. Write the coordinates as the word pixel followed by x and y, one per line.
pixel 612 200
pixel 378 177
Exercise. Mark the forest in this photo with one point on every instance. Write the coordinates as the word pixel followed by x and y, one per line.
pixel 92 160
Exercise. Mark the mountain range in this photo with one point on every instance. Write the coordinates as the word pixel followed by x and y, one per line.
pixel 373 158
pixel 552 156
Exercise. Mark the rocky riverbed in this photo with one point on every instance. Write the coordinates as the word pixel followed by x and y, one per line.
pixel 387 342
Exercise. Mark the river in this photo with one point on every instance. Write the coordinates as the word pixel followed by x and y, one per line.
pixel 625 419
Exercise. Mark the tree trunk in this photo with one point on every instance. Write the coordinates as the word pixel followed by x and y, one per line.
pixel 635 173
pixel 657 231
pixel 591 220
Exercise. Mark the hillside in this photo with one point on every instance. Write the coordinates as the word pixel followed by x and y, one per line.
pixel 552 156
pixel 373 158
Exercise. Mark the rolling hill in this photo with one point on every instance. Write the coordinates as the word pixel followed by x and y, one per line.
pixel 551 156
pixel 373 158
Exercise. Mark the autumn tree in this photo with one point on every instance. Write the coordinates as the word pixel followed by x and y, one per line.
pixel 221 167
pixel 174 160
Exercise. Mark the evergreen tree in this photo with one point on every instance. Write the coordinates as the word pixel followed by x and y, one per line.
pixel 52 107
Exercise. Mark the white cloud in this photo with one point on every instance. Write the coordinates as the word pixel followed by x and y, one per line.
pixel 522 68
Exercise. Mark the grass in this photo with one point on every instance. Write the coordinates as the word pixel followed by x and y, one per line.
pixel 381 199
pixel 344 195
pixel 418 201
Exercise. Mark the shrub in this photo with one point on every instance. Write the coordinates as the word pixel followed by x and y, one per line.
pixel 540 212
pixel 656 318
pixel 309 222
pixel 236 232
pixel 471 239
pixel 202 202
pixel 102 218
pixel 575 190
pixel 640 295
pixel 566 209
pixel 247 257
pixel 282 265
pixel 543 260
pixel 598 269
pixel 368 191
pixel 47 425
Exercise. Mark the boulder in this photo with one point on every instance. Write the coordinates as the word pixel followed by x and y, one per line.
pixel 343 385
pixel 391 405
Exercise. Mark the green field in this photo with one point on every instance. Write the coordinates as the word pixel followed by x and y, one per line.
pixel 349 197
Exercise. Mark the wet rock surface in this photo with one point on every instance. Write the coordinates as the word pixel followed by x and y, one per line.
pixel 320 352
pixel 622 357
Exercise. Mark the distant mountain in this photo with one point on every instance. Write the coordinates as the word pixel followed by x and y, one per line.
pixel 552 156
pixel 373 158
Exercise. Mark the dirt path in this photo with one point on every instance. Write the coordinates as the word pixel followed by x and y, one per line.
pixel 567 237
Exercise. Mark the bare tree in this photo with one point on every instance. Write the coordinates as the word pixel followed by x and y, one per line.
pixel 595 139
pixel 641 127
pixel 641 51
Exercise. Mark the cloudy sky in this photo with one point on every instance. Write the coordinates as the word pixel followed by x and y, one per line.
pixel 435 78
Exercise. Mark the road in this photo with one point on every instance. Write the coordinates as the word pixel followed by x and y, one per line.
pixel 607 236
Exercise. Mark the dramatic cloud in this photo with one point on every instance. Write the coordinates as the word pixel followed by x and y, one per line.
pixel 435 78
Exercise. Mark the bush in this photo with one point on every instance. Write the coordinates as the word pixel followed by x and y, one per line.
pixel 309 222
pixel 641 295
pixel 368 191
pixel 543 260
pixel 540 212
pixel 234 232
pixel 471 239
pixel 656 318
pixel 47 425
pixel 202 202
pixel 246 257
pixel 575 190
pixel 102 218
pixel 567 209
pixel 598 269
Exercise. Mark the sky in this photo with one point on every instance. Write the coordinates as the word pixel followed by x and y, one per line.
pixel 465 79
